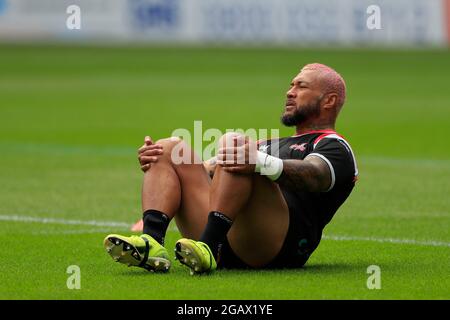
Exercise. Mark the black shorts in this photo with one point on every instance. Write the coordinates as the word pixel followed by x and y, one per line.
pixel 293 254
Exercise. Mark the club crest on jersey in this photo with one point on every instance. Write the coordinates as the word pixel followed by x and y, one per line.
pixel 301 147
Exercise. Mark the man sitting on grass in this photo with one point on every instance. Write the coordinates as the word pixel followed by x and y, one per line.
pixel 266 203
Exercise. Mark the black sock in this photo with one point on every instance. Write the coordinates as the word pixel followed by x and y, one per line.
pixel 216 231
pixel 155 224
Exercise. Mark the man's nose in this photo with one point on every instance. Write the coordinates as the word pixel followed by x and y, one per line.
pixel 290 93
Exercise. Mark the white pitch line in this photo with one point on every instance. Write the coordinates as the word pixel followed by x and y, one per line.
pixel 117 224
pixel 16 218
pixel 126 151
pixel 70 232
pixel 431 243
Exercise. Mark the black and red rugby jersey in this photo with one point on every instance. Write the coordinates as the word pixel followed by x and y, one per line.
pixel 316 209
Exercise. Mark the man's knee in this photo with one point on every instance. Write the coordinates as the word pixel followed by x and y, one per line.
pixel 176 151
pixel 169 142
pixel 168 145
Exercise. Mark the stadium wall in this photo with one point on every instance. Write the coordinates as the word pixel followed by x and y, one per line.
pixel 285 22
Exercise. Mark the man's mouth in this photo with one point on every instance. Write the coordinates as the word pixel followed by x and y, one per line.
pixel 290 103
pixel 289 106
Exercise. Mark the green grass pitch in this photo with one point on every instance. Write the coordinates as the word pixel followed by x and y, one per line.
pixel 71 119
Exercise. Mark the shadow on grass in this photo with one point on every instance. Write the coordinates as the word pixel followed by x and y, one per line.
pixel 136 272
pixel 334 267
pixel 313 268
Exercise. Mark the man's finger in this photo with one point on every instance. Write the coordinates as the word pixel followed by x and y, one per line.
pixel 148 140
pixel 228 162
pixel 150 147
pixel 229 150
pixel 233 158
pixel 155 152
pixel 145 167
pixel 147 159
pixel 239 141
pixel 152 152
pixel 231 153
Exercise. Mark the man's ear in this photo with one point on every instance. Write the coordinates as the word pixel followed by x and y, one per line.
pixel 330 100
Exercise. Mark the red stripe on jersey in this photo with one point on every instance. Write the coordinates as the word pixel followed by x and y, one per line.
pixel 258 142
pixel 324 135
pixel 315 131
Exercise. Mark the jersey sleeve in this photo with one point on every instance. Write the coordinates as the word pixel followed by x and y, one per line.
pixel 339 157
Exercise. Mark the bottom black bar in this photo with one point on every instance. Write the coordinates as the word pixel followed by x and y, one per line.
pixel 221 309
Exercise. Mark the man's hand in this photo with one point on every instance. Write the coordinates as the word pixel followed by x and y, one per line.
pixel 239 156
pixel 148 153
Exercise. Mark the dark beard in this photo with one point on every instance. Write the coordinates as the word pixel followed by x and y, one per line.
pixel 301 115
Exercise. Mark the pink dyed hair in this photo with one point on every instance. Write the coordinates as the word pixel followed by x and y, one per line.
pixel 330 80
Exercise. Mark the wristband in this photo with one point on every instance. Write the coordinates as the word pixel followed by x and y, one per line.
pixel 268 165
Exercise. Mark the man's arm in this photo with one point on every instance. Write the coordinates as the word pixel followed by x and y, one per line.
pixel 311 174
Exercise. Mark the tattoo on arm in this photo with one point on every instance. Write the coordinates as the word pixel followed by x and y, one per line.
pixel 311 174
